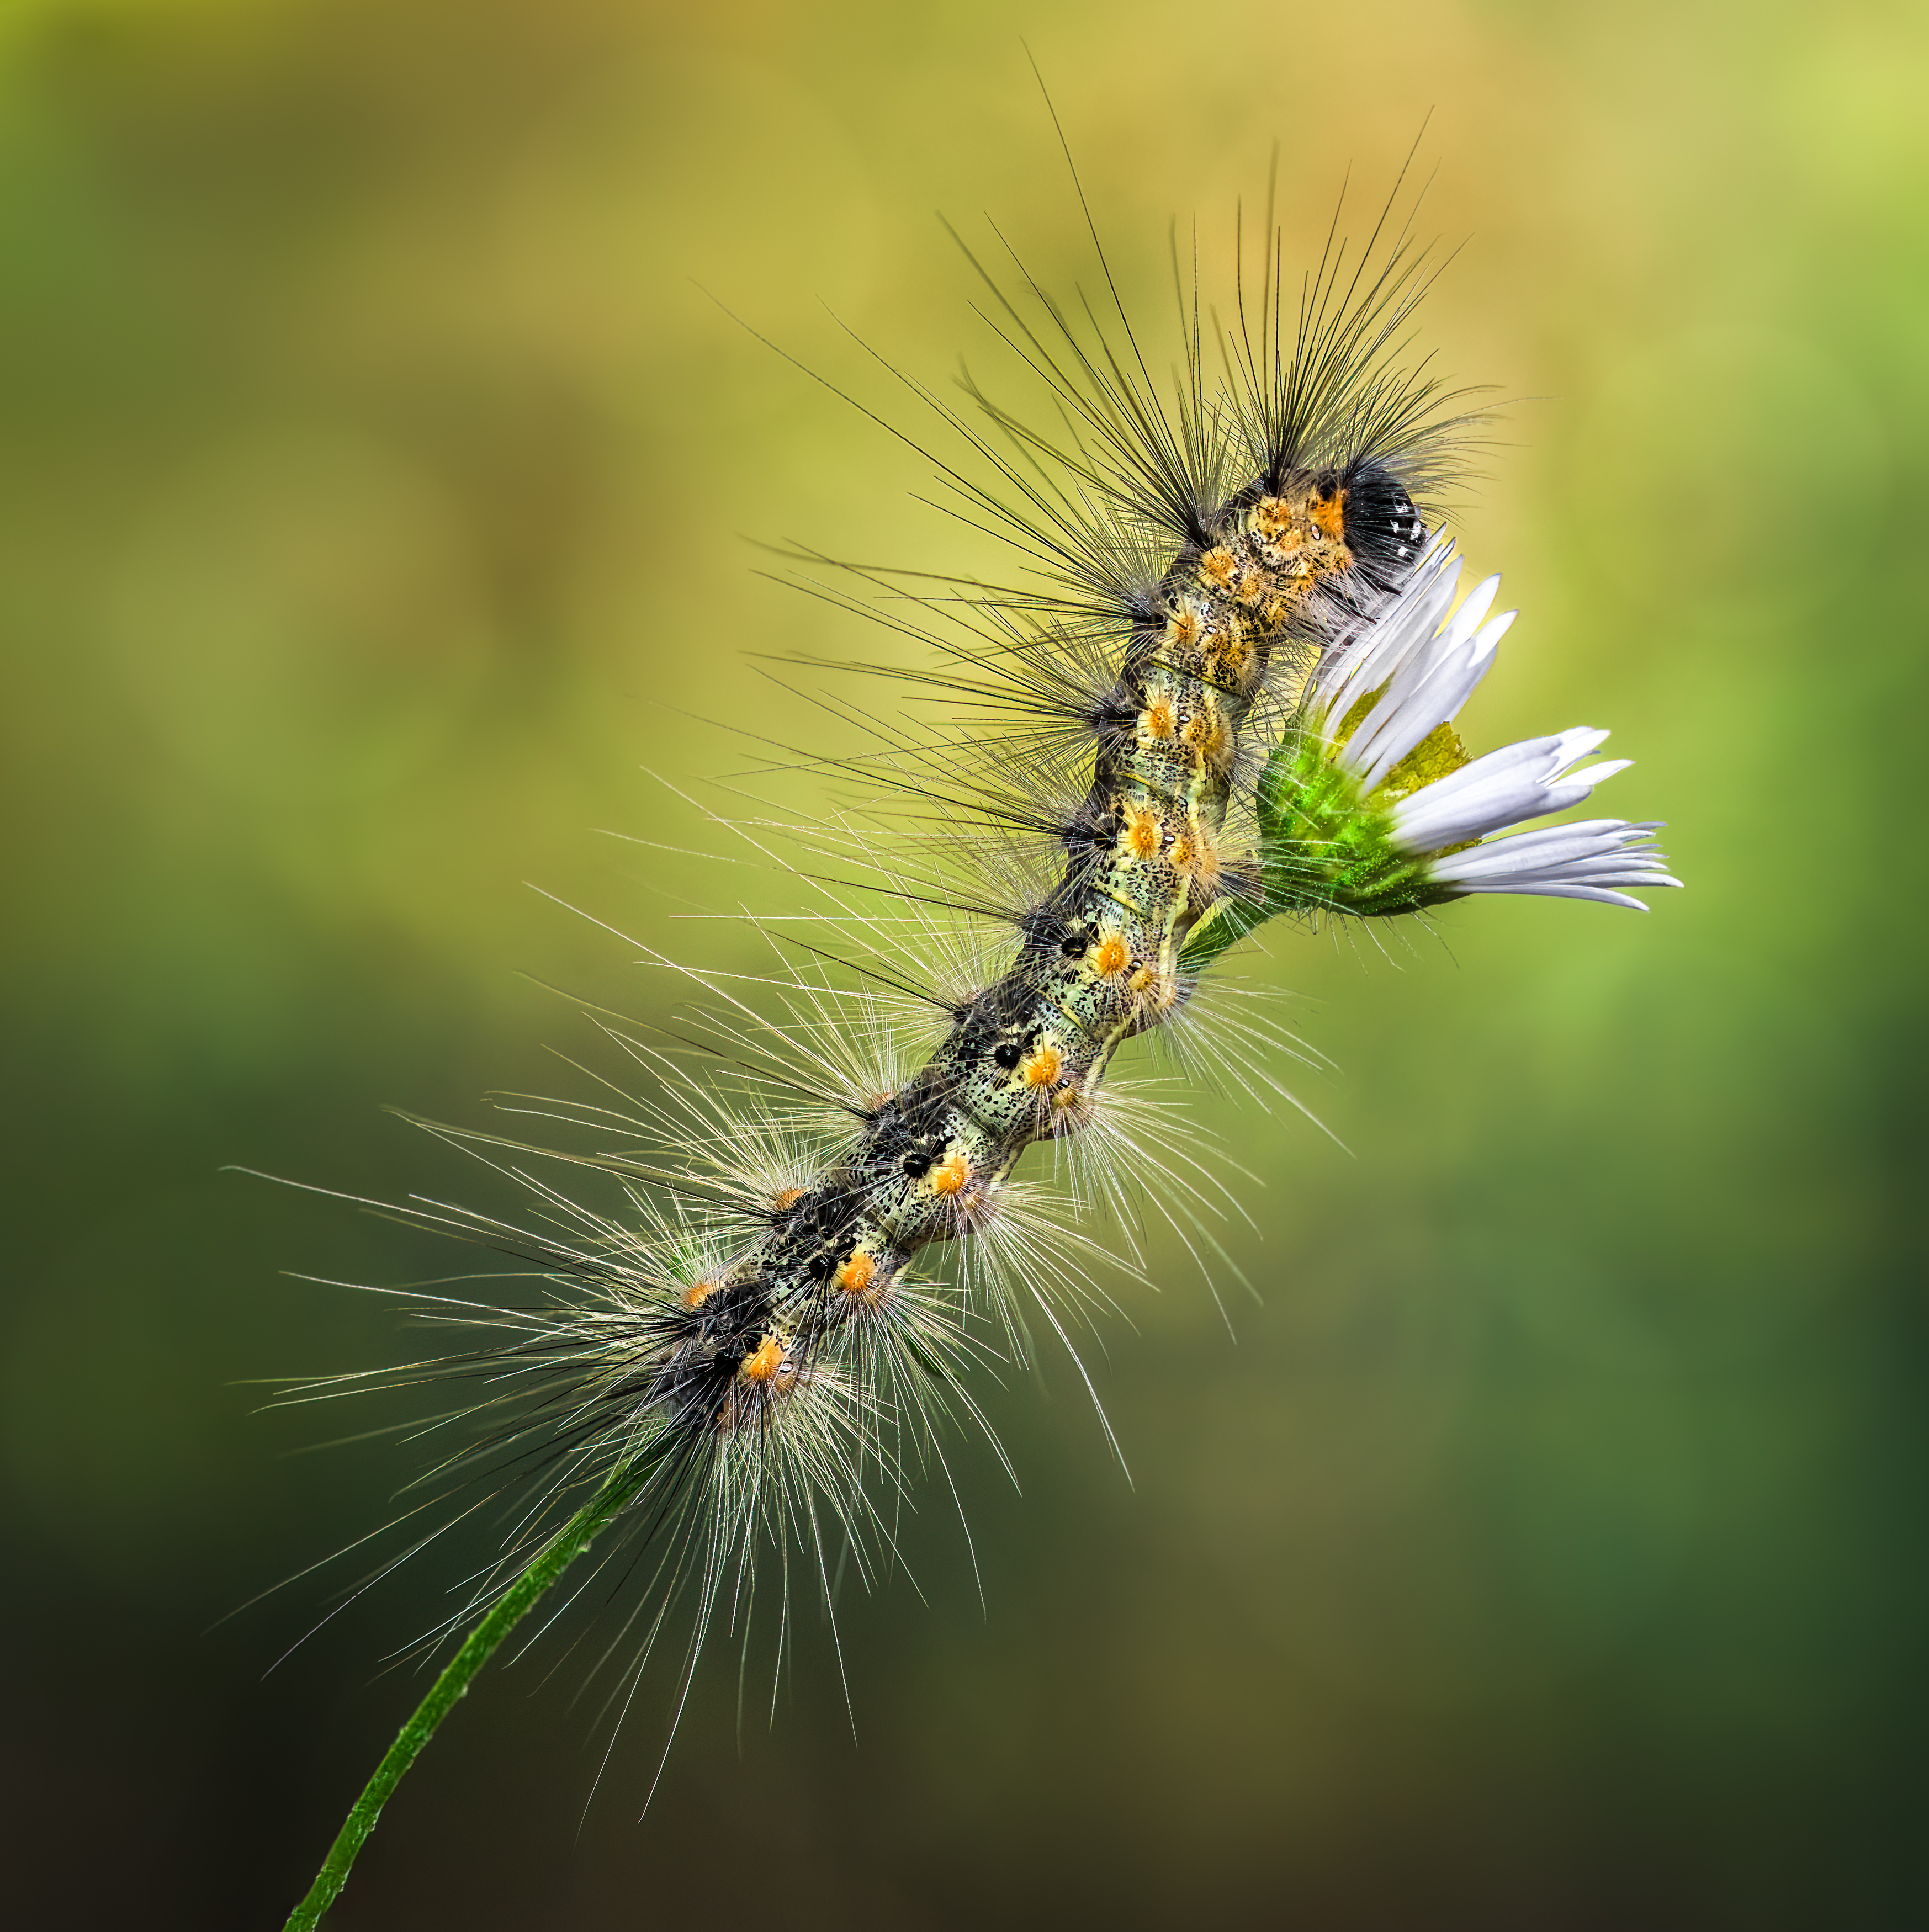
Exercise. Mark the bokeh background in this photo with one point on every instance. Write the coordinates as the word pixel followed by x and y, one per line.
pixel 1548 1548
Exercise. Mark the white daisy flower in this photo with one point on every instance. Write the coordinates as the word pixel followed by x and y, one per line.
pixel 1384 700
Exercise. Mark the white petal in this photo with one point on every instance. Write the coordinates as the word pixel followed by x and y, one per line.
pixel 1602 869
pixel 1593 774
pixel 1410 639
pixel 1491 812
pixel 1559 892
pixel 1577 741
pixel 1553 845
pixel 1428 694
pixel 1467 619
pixel 1580 861
pixel 1386 639
pixel 1505 788
pixel 1541 756
pixel 1510 779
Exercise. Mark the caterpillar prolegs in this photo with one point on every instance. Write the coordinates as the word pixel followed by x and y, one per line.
pixel 1223 690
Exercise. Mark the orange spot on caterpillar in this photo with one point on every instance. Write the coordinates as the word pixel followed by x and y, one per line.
pixel 1155 990
pixel 1231 653
pixel 1272 518
pixel 1143 832
pixel 1205 732
pixel 1195 854
pixel 1216 566
pixel 1159 718
pixel 1072 1107
pixel 1330 513
pixel 1044 1067
pixel 786 1197
pixel 764 1363
pixel 1111 956
pixel 1252 586
pixel 1280 529
pixel 950 1175
pixel 699 1292
pixel 857 1273
pixel 1184 629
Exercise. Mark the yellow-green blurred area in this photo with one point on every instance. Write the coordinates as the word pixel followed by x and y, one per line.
pixel 380 484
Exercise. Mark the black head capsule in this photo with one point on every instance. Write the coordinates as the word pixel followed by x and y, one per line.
pixel 1383 530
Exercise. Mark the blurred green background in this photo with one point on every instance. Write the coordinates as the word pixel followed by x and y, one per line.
pixel 1549 1549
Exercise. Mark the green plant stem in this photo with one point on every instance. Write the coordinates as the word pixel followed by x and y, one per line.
pixel 555 1557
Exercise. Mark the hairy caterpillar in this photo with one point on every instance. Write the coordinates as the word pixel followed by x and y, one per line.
pixel 1224 692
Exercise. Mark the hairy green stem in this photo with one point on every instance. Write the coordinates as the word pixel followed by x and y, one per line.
pixel 555 1557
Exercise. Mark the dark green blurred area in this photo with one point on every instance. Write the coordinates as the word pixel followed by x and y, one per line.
pixel 1548 1549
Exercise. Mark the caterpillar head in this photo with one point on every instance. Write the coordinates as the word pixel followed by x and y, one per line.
pixel 1382 528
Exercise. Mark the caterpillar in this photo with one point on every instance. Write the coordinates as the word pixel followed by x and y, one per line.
pixel 1223 690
